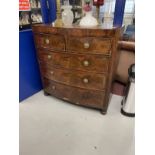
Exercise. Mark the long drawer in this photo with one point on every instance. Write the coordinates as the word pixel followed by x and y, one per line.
pixel 78 96
pixel 96 45
pixel 71 77
pixel 97 63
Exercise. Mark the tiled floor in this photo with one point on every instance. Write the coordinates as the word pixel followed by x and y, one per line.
pixel 49 126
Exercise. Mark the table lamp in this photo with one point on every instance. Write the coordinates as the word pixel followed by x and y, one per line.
pixel 98 3
pixel 58 21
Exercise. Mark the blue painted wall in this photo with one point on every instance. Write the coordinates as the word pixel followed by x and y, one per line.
pixel 119 12
pixel 48 11
pixel 29 75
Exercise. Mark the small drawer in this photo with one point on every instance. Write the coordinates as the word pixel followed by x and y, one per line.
pixel 94 45
pixel 53 59
pixel 58 75
pixel 78 96
pixel 75 78
pixel 50 41
pixel 58 90
pixel 87 62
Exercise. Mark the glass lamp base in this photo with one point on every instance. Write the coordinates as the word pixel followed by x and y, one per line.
pixel 88 20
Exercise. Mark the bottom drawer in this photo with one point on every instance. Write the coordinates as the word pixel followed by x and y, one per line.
pixel 75 95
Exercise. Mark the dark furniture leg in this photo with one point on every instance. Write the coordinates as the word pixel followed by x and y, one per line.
pixel 103 112
pixel 46 94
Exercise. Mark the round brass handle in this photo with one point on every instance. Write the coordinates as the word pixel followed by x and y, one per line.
pixel 86 63
pixel 86 45
pixel 85 80
pixel 52 72
pixel 49 56
pixel 53 87
pixel 47 41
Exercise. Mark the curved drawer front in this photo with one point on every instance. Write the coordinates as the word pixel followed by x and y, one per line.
pixel 94 45
pixel 54 74
pixel 79 79
pixel 82 62
pixel 56 89
pixel 50 41
pixel 88 80
pixel 87 62
pixel 88 98
pixel 54 59
pixel 75 95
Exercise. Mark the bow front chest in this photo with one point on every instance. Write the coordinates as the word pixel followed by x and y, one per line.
pixel 77 64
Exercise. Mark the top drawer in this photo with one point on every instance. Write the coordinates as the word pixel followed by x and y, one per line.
pixel 96 45
pixel 50 41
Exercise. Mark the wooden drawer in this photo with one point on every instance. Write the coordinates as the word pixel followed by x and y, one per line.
pixel 79 79
pixel 90 98
pixel 88 80
pixel 58 75
pixel 78 96
pixel 88 62
pixel 56 89
pixel 95 45
pixel 50 41
pixel 81 62
pixel 53 59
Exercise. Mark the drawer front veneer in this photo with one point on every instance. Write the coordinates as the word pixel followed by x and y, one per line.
pixel 78 96
pixel 50 41
pixel 89 45
pixel 78 79
pixel 54 59
pixel 88 62
pixel 82 62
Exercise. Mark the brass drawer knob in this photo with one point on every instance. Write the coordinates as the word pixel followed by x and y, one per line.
pixel 86 45
pixel 85 80
pixel 49 56
pixel 53 87
pixel 86 63
pixel 47 41
pixel 52 72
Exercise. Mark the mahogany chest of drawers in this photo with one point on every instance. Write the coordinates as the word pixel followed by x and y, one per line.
pixel 77 64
